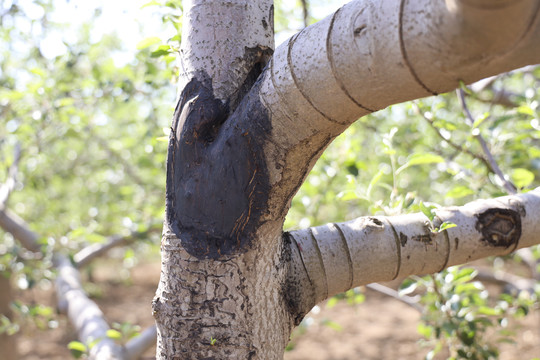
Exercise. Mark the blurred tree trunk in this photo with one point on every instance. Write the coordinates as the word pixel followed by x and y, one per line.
pixel 8 344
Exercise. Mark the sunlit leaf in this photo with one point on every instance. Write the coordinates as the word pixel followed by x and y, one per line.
pixel 446 225
pixel 149 41
pixel 522 177
pixel 480 120
pixel 77 349
pixel 526 110
pixel 459 191
pixel 420 159
pixel 162 50
pixel 114 334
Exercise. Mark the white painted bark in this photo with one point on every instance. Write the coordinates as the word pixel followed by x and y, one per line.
pixel 223 308
pixel 371 54
pixel 218 38
pixel 366 56
pixel 338 257
pixel 83 313
pixel 138 345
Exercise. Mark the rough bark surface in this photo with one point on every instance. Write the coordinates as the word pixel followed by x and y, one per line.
pixel 244 137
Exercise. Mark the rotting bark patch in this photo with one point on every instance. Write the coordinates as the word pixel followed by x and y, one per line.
pixel 499 227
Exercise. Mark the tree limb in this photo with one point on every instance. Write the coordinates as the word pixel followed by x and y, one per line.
pixel 89 253
pixel 369 55
pixel 337 257
pixel 139 344
pixel 83 313
pixel 7 187
pixel 408 300
pixel 448 141
pixel 494 167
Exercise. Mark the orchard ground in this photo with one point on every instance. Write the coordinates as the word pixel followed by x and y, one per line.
pixel 381 328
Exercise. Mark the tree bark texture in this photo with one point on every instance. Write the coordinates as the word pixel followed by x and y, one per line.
pixel 8 343
pixel 337 257
pixel 249 126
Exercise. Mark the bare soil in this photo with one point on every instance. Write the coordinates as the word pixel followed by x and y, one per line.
pixel 380 328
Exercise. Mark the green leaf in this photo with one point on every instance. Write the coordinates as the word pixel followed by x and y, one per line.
pixel 427 210
pixel 162 50
pixel 77 349
pixel 420 159
pixel 151 3
pixel 446 225
pixel 347 195
pixel 373 182
pixel 459 191
pixel 522 177
pixel 149 41
pixel 486 310
pixel 424 330
pixel 332 302
pixel 526 110
pixel 480 120
pixel 533 152
pixel 114 334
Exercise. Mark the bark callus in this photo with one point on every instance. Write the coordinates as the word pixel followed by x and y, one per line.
pixel 217 182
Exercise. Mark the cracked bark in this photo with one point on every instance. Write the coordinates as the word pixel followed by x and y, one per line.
pixel 232 284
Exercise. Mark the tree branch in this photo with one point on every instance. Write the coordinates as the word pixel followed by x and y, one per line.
pixel 448 141
pixel 337 257
pixel 89 253
pixel 83 313
pixel 369 55
pixel 493 166
pixel 7 187
pixel 408 300
pixel 138 345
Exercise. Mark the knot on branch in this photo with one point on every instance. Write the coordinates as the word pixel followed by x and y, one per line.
pixel 499 227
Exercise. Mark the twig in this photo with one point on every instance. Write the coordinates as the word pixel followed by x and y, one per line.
pixel 89 253
pixel 412 301
pixel 16 226
pixel 510 281
pixel 530 260
pixel 9 184
pixel 305 12
pixel 500 97
pixel 82 312
pixel 138 345
pixel 508 186
pixel 448 141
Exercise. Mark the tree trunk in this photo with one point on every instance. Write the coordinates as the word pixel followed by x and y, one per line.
pixel 8 343
pixel 249 126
